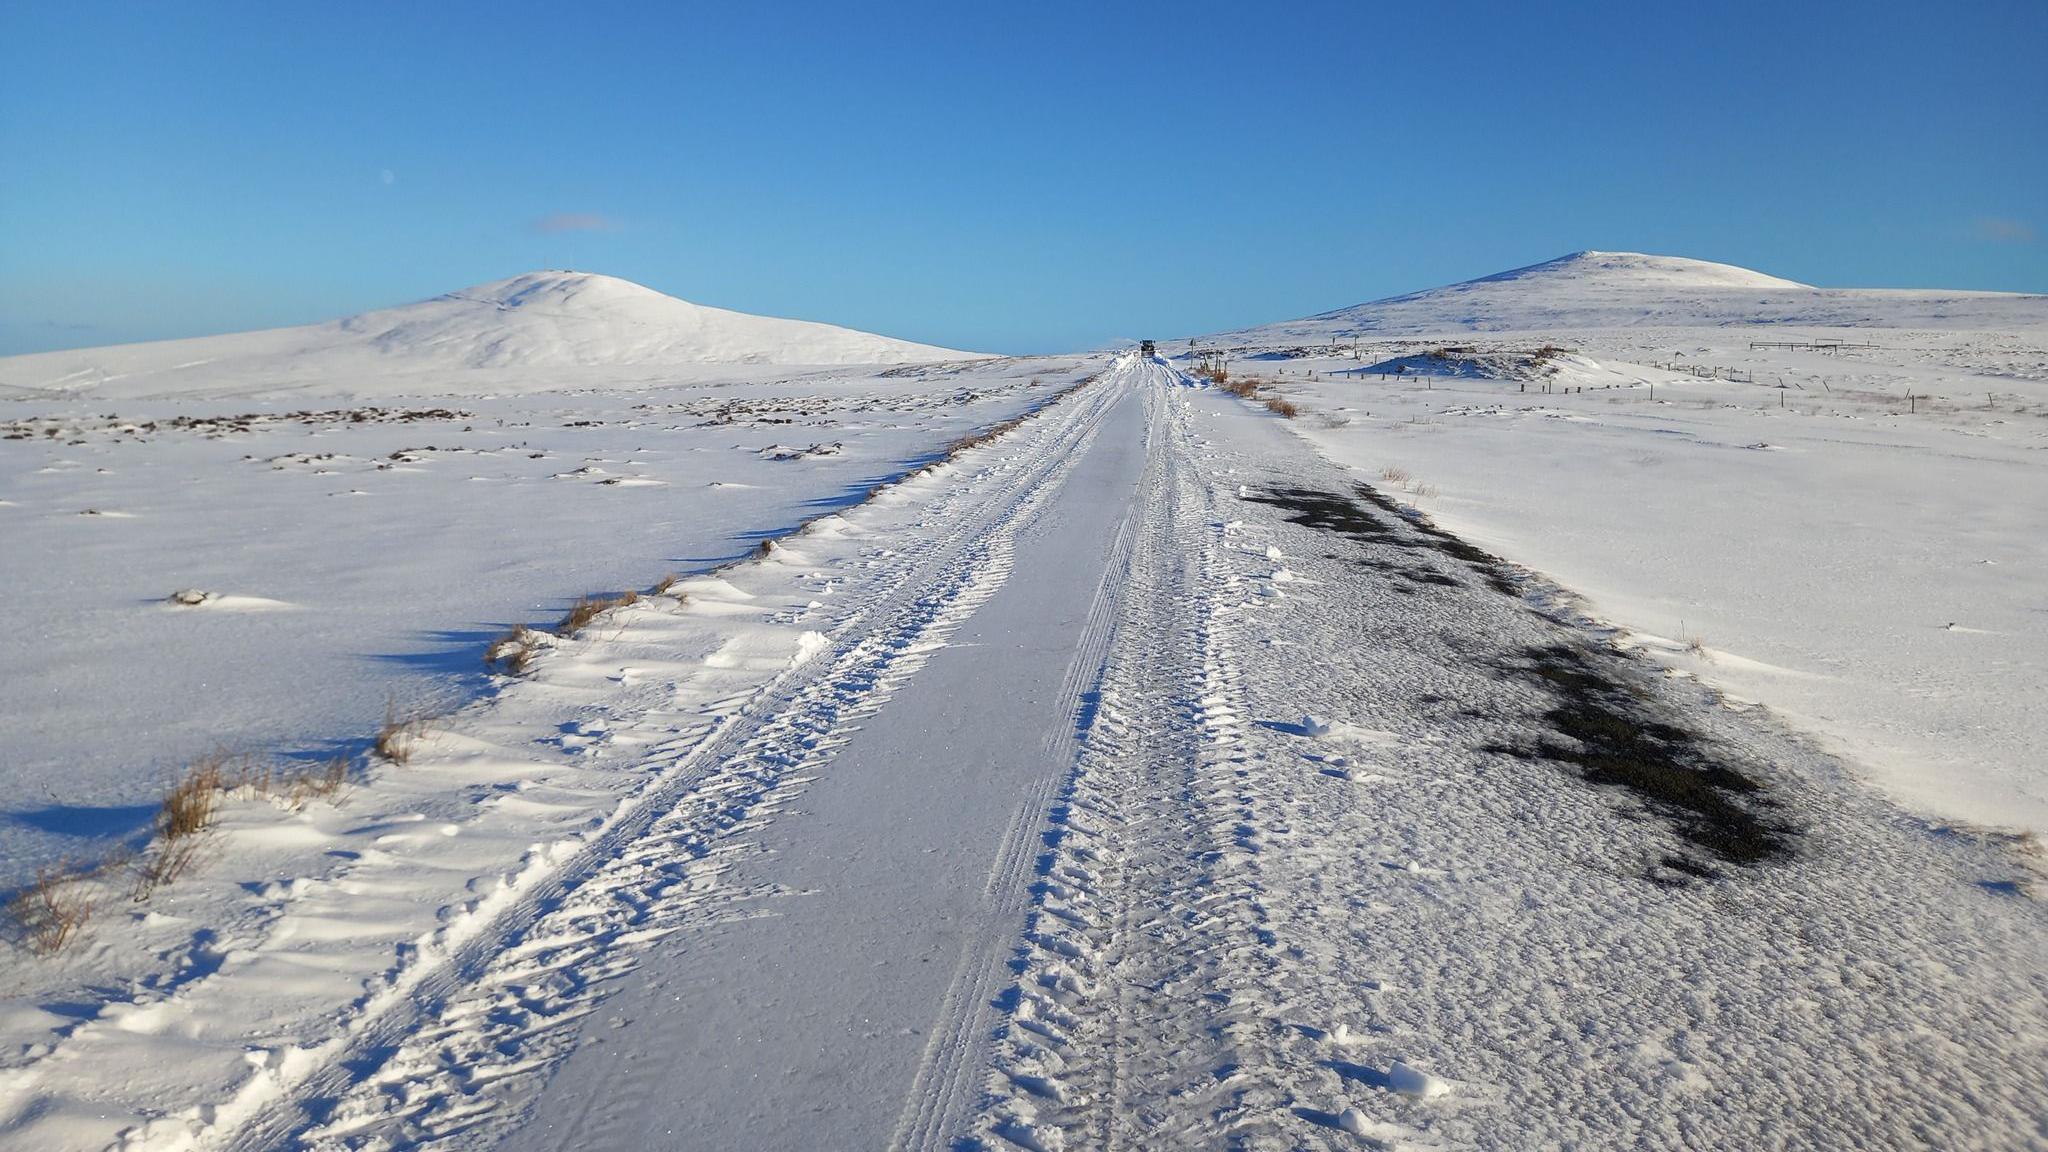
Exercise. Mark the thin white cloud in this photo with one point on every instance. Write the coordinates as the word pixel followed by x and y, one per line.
pixel 388 177
pixel 2006 230
pixel 575 222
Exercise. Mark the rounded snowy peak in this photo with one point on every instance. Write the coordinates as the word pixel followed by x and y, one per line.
pixel 561 318
pixel 560 288
pixel 1589 290
pixel 514 334
pixel 1640 270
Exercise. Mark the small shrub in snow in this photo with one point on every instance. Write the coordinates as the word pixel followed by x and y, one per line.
pixel 52 911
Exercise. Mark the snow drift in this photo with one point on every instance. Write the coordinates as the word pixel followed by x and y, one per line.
pixel 539 320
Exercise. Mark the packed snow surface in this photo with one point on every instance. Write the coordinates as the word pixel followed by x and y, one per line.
pixel 542 320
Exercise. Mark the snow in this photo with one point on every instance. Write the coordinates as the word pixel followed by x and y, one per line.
pixel 488 339
pixel 351 557
pixel 1801 535
pixel 1529 970
pixel 1157 773
pixel 1590 290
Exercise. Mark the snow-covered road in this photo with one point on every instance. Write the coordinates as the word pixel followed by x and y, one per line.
pixel 884 902
pixel 1140 780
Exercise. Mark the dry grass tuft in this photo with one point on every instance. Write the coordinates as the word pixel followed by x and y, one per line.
pixel 52 912
pixel 662 585
pixel 515 650
pixel 165 862
pixel 1253 389
pixel 590 608
pixel 1396 475
pixel 582 612
pixel 291 786
pixel 324 781
pixel 395 740
pixel 188 808
pixel 192 805
pixel 187 811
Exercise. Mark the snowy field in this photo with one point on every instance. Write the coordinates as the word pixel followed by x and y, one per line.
pixel 362 536
pixel 1147 774
pixel 1791 527
pixel 351 562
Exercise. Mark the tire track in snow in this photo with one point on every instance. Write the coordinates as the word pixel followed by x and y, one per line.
pixel 439 1065
pixel 1062 1068
pixel 1143 1015
pixel 942 1093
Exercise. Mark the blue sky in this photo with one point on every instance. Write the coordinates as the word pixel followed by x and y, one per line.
pixel 1013 178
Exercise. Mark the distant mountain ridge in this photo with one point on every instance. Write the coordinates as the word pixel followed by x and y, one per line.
pixel 1587 290
pixel 541 320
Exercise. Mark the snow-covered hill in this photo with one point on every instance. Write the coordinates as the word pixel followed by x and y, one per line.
pixel 1629 290
pixel 541 320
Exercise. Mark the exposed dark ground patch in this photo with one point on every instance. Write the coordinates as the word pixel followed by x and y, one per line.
pixel 1328 511
pixel 1349 516
pixel 1605 730
pixel 1597 720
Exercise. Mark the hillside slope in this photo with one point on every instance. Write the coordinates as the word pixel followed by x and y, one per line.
pixel 1628 290
pixel 541 320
